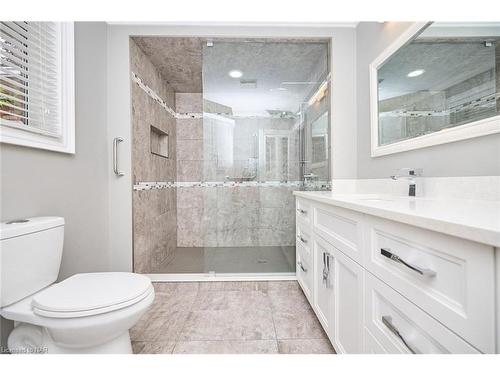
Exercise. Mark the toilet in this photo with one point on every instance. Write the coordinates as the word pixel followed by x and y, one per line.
pixel 85 313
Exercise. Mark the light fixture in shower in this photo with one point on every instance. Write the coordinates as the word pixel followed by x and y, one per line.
pixel 416 73
pixel 235 73
pixel 319 94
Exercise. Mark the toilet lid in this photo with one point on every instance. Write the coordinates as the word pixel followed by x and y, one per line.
pixel 91 293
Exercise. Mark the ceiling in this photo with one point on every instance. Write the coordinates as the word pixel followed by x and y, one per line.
pixel 178 59
pixel 285 74
pixel 285 70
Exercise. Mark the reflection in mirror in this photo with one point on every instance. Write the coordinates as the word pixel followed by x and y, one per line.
pixel 320 141
pixel 449 75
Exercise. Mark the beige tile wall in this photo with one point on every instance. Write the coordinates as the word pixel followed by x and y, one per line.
pixel 154 211
pixel 226 216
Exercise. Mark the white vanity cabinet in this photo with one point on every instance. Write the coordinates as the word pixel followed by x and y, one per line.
pixel 337 280
pixel 379 286
pixel 338 296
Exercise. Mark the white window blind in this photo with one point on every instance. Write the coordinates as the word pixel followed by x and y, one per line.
pixel 30 77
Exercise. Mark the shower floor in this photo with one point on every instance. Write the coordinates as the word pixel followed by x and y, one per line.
pixel 259 259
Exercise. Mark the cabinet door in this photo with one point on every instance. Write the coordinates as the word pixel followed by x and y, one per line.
pixel 371 345
pixel 304 272
pixel 324 263
pixel 348 292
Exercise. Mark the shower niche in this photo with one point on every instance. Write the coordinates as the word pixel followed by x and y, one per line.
pixel 158 142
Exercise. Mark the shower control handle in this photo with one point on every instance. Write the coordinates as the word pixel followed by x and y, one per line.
pixel 115 156
pixel 301 211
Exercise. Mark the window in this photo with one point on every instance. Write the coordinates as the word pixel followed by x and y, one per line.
pixel 37 85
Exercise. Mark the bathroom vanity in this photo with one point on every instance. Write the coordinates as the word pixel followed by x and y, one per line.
pixel 389 274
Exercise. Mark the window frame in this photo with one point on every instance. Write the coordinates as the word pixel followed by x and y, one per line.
pixel 66 142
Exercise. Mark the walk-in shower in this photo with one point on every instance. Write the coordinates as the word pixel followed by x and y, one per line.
pixel 224 130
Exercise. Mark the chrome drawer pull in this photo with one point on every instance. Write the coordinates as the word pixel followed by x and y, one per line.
pixel 302 266
pixel 387 320
pixel 301 211
pixel 303 240
pixel 422 271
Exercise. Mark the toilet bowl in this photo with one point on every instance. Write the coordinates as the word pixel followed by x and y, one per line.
pixel 85 313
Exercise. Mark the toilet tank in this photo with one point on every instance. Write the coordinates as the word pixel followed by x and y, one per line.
pixel 30 256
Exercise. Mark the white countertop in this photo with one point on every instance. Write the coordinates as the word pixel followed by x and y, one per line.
pixel 475 220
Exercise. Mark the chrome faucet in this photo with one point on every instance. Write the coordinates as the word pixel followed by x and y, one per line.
pixel 410 174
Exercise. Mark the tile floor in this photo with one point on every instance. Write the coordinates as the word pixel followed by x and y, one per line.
pixel 230 317
pixel 251 259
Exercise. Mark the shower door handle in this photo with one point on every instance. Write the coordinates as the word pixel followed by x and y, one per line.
pixel 115 156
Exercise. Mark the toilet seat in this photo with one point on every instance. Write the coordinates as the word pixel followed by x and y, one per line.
pixel 89 294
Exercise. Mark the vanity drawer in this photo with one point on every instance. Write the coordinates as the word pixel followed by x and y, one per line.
pixel 342 228
pixel 398 326
pixel 304 271
pixel 303 210
pixel 303 238
pixel 449 278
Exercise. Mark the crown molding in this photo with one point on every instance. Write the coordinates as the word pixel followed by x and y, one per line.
pixel 241 24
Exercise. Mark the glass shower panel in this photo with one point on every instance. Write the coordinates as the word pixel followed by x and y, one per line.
pixel 254 92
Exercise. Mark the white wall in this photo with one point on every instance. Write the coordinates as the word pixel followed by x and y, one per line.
pixel 473 157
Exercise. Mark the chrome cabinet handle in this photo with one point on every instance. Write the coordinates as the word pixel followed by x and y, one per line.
pixel 302 266
pixel 115 156
pixel 326 269
pixel 387 320
pixel 301 211
pixel 303 240
pixel 422 271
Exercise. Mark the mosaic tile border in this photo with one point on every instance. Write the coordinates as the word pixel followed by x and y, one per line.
pixel 153 95
pixel 158 185
pixel 468 106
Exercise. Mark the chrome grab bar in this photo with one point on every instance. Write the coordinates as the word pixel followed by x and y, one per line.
pixel 387 320
pixel 422 271
pixel 115 156
pixel 302 266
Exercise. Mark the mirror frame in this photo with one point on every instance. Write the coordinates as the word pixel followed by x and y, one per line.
pixel 466 131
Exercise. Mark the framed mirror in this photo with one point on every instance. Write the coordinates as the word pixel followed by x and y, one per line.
pixel 437 83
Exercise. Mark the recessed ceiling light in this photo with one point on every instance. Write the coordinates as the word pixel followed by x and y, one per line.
pixel 235 73
pixel 416 73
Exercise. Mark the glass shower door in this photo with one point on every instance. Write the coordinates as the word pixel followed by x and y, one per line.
pixel 253 93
